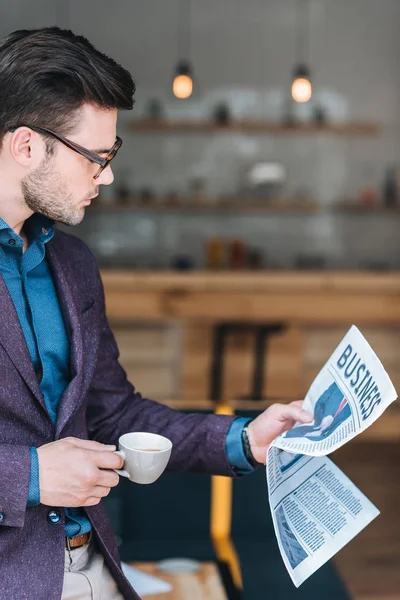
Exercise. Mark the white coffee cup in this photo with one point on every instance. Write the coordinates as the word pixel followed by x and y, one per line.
pixel 145 455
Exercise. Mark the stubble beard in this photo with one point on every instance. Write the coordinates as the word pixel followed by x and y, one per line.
pixel 45 192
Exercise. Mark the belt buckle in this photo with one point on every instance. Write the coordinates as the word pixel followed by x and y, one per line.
pixel 68 541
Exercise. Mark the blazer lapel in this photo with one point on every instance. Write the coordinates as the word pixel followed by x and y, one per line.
pixel 63 283
pixel 13 341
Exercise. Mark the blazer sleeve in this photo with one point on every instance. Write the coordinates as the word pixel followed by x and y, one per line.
pixel 115 407
pixel 15 466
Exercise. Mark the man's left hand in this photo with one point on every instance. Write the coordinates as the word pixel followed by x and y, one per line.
pixel 272 422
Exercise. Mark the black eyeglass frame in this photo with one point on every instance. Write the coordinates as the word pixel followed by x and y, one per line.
pixel 92 156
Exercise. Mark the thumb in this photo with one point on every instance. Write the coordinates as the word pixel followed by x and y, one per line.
pixel 296 413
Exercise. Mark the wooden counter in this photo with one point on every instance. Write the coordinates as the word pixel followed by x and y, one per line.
pixel 164 324
pixel 298 297
pixel 254 280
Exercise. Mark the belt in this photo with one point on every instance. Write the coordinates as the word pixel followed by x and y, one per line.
pixel 78 541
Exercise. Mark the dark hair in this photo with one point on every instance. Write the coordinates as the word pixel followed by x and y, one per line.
pixel 47 74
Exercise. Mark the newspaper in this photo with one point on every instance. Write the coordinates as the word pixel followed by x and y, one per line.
pixel 316 509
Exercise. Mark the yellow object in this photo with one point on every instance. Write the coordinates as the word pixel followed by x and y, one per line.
pixel 215 253
pixel 221 516
pixel 301 89
pixel 182 86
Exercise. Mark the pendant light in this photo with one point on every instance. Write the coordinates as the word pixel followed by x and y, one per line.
pixel 301 83
pixel 182 84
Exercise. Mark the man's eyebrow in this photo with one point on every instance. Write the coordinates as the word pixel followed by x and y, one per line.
pixel 105 150
pixel 102 151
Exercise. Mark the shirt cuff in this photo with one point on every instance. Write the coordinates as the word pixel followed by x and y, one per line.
pixel 234 447
pixel 34 488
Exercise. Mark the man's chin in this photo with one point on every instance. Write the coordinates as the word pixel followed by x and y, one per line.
pixel 71 220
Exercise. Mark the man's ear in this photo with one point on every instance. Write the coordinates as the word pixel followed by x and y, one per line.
pixel 26 147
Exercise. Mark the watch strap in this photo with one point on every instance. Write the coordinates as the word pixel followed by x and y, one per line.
pixel 246 447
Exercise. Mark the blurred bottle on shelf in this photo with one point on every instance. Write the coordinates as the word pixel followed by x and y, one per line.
pixel 237 254
pixel 368 196
pixel 222 115
pixel 182 262
pixel 390 188
pixel 122 189
pixel 154 109
pixel 197 189
pixel 146 196
pixel 255 259
pixel 319 115
pixel 215 253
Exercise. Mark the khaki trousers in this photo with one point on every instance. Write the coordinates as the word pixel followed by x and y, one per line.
pixel 86 576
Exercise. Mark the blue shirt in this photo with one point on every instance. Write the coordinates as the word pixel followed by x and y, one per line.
pixel 29 281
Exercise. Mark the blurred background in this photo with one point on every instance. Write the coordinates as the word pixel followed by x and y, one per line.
pixel 255 215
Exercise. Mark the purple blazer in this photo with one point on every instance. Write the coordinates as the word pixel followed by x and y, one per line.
pixel 99 404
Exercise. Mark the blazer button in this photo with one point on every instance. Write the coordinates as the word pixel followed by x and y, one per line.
pixel 2 517
pixel 53 517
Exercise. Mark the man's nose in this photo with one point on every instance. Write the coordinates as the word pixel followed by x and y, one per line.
pixel 106 176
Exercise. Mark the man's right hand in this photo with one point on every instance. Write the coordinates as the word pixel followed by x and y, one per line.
pixel 74 472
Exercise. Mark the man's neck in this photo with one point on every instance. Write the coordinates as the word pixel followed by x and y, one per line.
pixel 15 223
pixel 13 210
pixel 26 241
pixel 19 229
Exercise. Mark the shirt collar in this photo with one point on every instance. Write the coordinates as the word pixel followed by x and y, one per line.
pixel 38 227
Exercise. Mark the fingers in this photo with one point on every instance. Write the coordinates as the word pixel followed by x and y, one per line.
pixel 291 411
pixel 106 460
pixel 298 414
pixel 89 444
pixel 92 501
pixel 297 403
pixel 99 492
pixel 107 478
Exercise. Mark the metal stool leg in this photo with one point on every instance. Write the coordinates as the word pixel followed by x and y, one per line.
pixel 217 366
pixel 258 376
pixel 263 332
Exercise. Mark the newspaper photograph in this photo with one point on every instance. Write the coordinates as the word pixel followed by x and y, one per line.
pixel 316 509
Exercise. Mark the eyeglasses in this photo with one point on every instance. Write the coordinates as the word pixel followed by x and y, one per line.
pixel 92 156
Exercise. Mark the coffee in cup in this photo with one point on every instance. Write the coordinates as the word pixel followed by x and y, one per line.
pixel 145 455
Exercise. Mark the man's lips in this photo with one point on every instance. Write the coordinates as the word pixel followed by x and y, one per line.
pixel 88 200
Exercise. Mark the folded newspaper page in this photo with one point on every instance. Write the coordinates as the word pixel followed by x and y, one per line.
pixel 316 509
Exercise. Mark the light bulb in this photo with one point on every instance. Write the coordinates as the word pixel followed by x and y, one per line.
pixel 301 89
pixel 182 86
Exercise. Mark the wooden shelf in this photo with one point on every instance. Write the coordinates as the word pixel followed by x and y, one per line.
pixel 210 205
pixel 216 205
pixel 253 127
pixel 359 209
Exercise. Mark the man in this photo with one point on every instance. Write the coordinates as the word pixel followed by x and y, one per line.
pixel 64 398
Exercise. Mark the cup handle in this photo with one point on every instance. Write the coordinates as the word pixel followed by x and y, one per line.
pixel 121 471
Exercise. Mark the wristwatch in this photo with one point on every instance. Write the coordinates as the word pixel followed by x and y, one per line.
pixel 246 447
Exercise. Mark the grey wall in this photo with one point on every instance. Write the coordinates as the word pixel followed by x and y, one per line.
pixel 243 53
pixel 153 240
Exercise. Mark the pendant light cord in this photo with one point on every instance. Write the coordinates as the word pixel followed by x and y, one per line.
pixel 184 27
pixel 302 31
